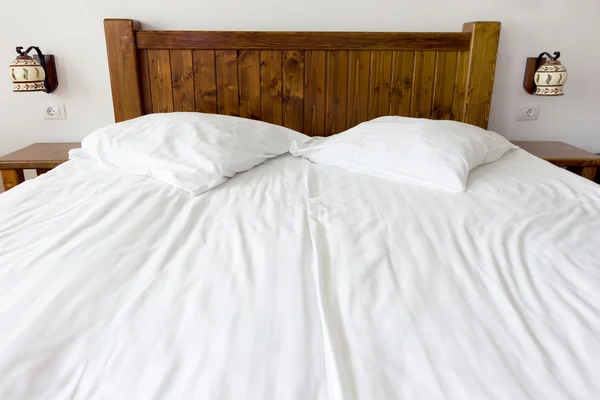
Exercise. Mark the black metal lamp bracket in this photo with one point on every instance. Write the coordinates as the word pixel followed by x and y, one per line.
pixel 541 57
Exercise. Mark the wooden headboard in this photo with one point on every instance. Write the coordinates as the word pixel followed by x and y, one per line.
pixel 319 83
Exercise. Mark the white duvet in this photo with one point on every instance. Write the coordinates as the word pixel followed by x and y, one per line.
pixel 300 281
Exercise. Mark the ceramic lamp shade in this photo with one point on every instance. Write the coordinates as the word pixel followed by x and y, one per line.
pixel 27 74
pixel 550 79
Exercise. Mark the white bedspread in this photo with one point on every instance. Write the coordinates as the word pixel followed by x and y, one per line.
pixel 299 281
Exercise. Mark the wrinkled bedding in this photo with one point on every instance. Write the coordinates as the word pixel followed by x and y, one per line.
pixel 300 281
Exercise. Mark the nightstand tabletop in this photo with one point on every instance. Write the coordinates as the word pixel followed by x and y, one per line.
pixel 38 155
pixel 560 153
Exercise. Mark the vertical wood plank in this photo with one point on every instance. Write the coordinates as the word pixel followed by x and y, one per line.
pixel 381 84
pixel 123 67
pixel 444 84
pixel 358 87
pixel 293 89
pixel 159 66
pixel 422 95
pixel 402 82
pixel 314 93
pixel 227 82
pixel 12 178
pixel 205 81
pixel 271 106
pixel 41 171
pixel 145 82
pixel 482 68
pixel 460 92
pixel 249 82
pixel 336 91
pixel 182 78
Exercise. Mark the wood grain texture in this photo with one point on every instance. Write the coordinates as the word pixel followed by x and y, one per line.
pixel 586 172
pixel 271 97
pixel 589 173
pixel 531 67
pixel 249 82
pixel 159 67
pixel 302 40
pixel 205 81
pixel 314 93
pixel 318 83
pixel 381 84
pixel 336 92
pixel 182 78
pixel 422 91
pixel 359 79
pixel 12 178
pixel 560 153
pixel 293 89
pixel 38 155
pixel 460 86
pixel 227 82
pixel 145 82
pixel 444 84
pixel 123 67
pixel 482 67
pixel 403 65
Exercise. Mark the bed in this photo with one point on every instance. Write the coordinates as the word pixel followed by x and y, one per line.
pixel 295 280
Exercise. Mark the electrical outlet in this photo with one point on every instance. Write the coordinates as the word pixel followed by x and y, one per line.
pixel 528 113
pixel 54 111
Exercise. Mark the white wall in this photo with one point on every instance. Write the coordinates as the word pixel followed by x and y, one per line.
pixel 73 31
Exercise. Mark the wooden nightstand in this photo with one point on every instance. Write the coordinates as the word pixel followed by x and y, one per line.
pixel 40 156
pixel 562 154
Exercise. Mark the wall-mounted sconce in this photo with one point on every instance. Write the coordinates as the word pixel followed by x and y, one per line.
pixel 545 78
pixel 33 74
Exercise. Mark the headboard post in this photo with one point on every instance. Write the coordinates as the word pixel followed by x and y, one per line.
pixel 123 67
pixel 483 50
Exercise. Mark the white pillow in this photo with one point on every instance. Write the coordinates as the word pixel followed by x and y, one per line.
pixel 429 152
pixel 192 151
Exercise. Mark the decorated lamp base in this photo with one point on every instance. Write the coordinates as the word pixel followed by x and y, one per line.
pixel 545 78
pixel 549 91
pixel 33 74
pixel 550 78
pixel 27 75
